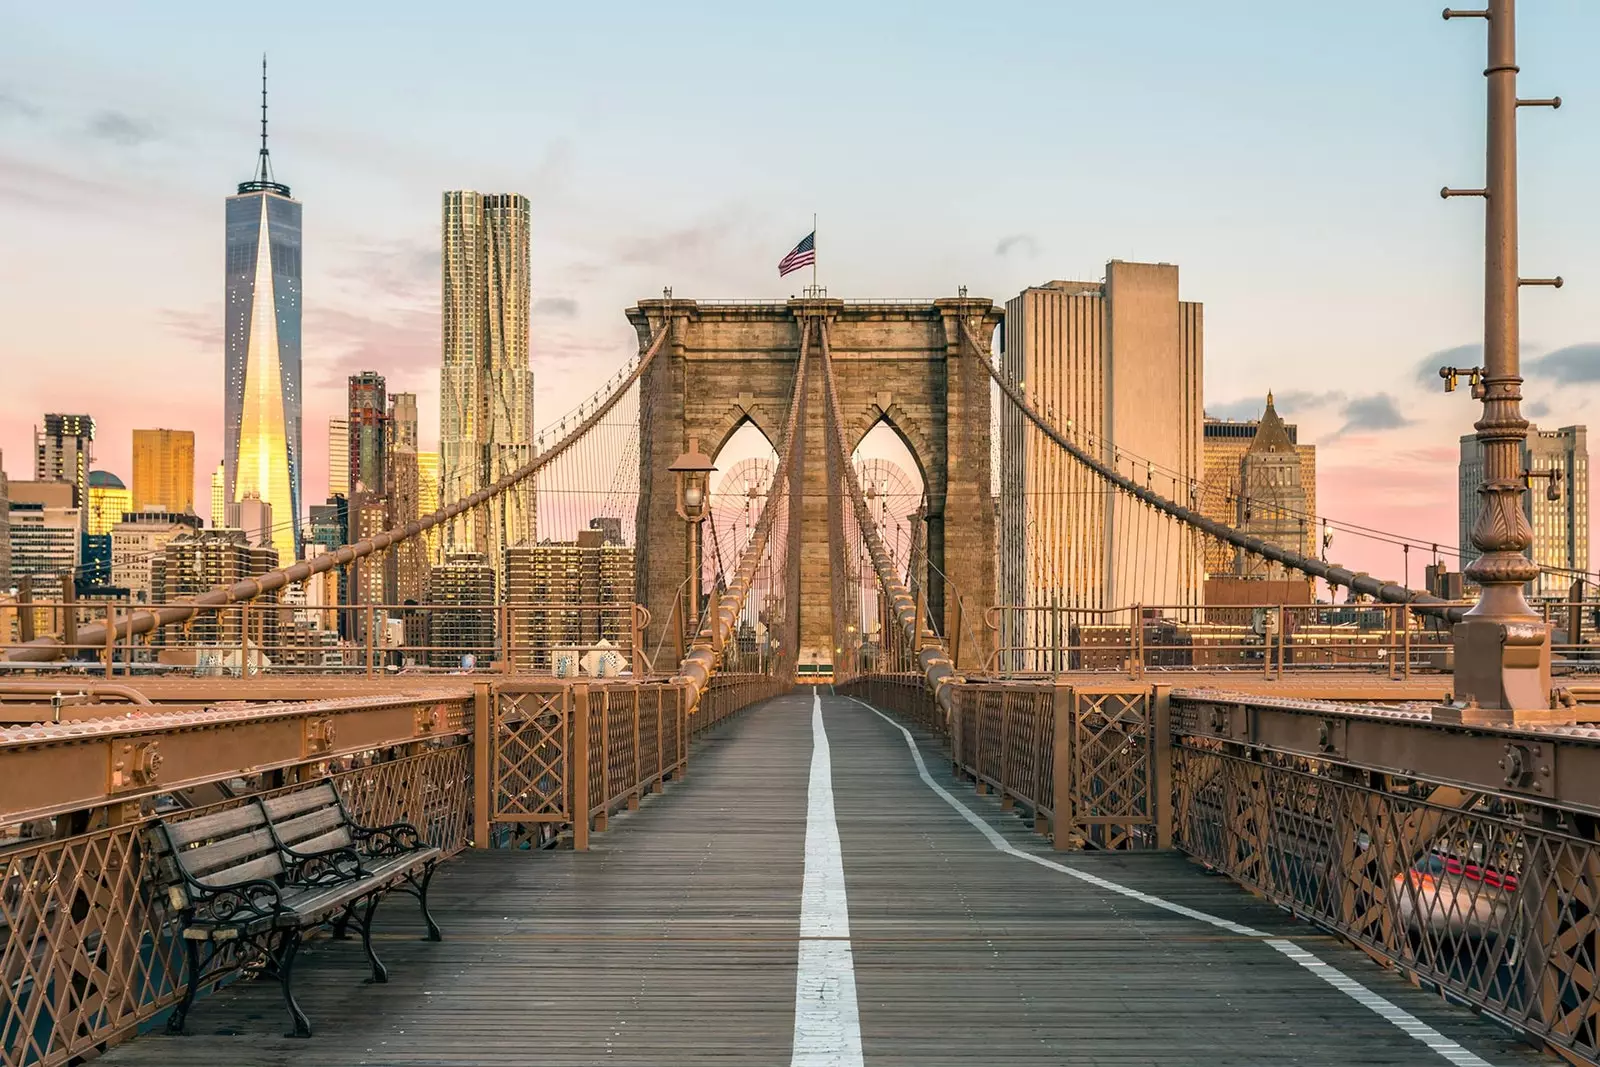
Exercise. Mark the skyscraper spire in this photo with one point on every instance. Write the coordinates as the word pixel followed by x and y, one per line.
pixel 264 168
pixel 262 180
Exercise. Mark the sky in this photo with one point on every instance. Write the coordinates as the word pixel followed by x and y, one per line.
pixel 1287 156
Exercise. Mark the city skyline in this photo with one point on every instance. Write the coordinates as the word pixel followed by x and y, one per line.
pixel 1383 280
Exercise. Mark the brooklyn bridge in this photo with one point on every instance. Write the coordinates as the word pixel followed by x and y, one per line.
pixel 847 781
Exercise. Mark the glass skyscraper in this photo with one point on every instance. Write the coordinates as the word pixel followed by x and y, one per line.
pixel 261 404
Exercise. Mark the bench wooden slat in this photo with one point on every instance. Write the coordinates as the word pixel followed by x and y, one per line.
pixel 286 806
pixel 268 866
pixel 339 837
pixel 223 824
pixel 309 825
pixel 205 859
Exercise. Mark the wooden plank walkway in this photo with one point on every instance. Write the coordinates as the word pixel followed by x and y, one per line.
pixel 675 942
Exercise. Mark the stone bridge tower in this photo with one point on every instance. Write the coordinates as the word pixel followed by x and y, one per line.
pixel 902 363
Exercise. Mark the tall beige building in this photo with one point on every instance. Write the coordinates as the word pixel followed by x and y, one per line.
pixel 1118 365
pixel 136 542
pixel 63 452
pixel 486 386
pixel 219 498
pixel 543 581
pixel 1226 442
pixel 428 501
pixel 405 498
pixel 1560 526
pixel 339 457
pixel 163 470
pixel 46 539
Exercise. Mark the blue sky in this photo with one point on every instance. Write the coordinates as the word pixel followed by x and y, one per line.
pixel 1286 155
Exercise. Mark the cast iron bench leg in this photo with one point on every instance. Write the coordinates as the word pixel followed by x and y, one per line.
pixel 380 973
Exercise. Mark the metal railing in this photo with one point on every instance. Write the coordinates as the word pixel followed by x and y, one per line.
pixel 1266 639
pixel 89 950
pixel 260 636
pixel 1468 857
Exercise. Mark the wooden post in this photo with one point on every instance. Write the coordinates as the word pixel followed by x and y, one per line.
pixel 977 740
pixel 638 757
pixel 369 641
pixel 508 649
pixel 1061 766
pixel 484 741
pixel 682 770
pixel 955 637
pixel 661 744
pixel 601 817
pixel 1283 635
pixel 69 615
pixel 111 638
pixel 1160 725
pixel 577 704
pixel 1133 643
pixel 25 618
pixel 1406 618
pixel 636 655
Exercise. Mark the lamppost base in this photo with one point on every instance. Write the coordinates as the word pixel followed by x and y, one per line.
pixel 1502 675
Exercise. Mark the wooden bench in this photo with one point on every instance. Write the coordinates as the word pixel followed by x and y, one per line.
pixel 249 883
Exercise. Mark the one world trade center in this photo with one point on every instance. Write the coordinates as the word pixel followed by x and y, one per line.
pixel 261 408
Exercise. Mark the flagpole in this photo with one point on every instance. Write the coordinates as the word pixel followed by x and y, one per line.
pixel 813 250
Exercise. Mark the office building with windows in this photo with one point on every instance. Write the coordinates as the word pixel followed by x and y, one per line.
pixel 163 470
pixel 1559 514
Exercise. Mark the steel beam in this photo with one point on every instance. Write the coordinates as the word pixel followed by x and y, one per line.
pixel 53 768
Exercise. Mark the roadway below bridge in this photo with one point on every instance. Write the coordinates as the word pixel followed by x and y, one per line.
pixel 813 894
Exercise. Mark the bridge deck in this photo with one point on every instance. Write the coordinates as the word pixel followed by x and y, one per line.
pixel 677 941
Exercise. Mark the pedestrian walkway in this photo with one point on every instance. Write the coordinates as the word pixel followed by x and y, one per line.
pixel 809 896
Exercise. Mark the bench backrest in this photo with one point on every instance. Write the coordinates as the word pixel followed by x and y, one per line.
pixel 224 849
pixel 309 820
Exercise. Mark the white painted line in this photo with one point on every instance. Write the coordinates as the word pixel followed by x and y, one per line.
pixel 1401 1018
pixel 827 1024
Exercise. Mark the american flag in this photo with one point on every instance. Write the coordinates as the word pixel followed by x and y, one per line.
pixel 804 254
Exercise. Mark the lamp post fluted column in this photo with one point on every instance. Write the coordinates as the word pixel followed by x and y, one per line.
pixel 1502 648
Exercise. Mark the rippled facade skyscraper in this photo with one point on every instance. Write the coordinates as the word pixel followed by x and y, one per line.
pixel 261 405
pixel 486 386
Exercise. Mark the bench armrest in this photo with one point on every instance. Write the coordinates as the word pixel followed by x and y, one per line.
pixel 321 868
pixel 241 902
pixel 396 839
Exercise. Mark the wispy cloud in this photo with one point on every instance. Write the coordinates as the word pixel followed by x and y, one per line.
pixel 12 103
pixel 1427 372
pixel 120 128
pixel 1579 363
pixel 675 245
pixel 1023 243
pixel 402 271
pixel 401 345
pixel 1536 409
pixel 561 307
pixel 202 328
pixel 1364 414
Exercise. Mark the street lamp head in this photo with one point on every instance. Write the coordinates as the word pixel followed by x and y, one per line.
pixel 692 469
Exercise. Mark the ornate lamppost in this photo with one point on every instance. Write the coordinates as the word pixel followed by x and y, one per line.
pixel 692 470
pixel 1502 648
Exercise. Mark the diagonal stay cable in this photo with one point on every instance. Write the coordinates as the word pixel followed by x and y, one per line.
pixel 935 663
pixel 140 622
pixel 1388 592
